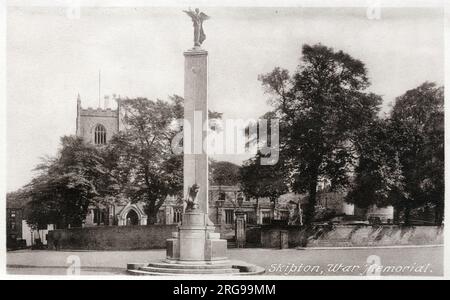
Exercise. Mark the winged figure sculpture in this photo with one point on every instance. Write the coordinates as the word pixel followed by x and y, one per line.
pixel 197 20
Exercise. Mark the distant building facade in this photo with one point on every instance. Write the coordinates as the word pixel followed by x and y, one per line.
pixel 14 217
pixel 19 234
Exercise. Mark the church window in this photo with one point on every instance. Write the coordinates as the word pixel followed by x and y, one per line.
pixel 99 216
pixel 177 213
pixel 284 215
pixel 222 196
pixel 100 135
pixel 265 217
pixel 229 216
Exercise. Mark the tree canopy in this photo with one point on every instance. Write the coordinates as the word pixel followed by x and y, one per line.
pixel 321 108
pixel 223 173
pixel 262 181
pixel 66 185
pixel 143 154
pixel 401 158
pixel 418 121
pixel 378 178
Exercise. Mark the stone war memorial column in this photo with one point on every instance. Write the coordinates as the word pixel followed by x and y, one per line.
pixel 195 248
pixel 195 114
pixel 196 240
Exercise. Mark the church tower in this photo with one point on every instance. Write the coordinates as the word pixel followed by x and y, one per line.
pixel 97 126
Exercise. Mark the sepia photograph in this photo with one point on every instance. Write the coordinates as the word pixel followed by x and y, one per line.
pixel 206 141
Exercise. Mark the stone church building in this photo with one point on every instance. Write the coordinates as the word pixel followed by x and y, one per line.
pixel 97 126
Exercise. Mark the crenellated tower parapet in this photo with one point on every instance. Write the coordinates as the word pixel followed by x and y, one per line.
pixel 97 125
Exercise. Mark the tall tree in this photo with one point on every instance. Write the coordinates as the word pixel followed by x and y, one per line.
pixel 144 155
pixel 262 181
pixel 66 186
pixel 223 173
pixel 418 120
pixel 378 177
pixel 321 107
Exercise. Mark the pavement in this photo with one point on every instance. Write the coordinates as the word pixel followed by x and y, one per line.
pixel 399 261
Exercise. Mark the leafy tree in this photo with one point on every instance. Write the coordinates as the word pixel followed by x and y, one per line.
pixel 262 181
pixel 17 199
pixel 144 160
pixel 66 185
pixel 418 121
pixel 378 178
pixel 263 176
pixel 223 173
pixel 214 114
pixel 321 108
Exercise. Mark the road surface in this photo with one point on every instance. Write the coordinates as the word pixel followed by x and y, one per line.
pixel 420 261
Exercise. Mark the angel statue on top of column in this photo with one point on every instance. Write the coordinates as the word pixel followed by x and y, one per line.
pixel 197 20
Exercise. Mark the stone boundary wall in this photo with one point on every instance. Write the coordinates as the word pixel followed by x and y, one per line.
pixel 111 237
pixel 253 235
pixel 154 236
pixel 354 236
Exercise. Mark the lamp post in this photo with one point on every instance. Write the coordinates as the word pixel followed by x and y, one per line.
pixel 240 223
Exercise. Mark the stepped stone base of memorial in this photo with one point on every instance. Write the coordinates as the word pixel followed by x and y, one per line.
pixel 173 268
pixel 195 250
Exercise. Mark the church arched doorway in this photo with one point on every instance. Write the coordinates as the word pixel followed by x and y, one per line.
pixel 132 218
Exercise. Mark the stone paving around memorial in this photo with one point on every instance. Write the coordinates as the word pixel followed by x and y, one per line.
pixel 420 261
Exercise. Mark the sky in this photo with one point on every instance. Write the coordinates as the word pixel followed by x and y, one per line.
pixel 51 57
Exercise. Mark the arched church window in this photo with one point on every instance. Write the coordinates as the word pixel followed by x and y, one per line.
pixel 100 135
pixel 177 215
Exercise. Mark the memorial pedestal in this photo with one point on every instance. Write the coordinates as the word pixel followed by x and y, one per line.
pixel 195 249
pixel 196 241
